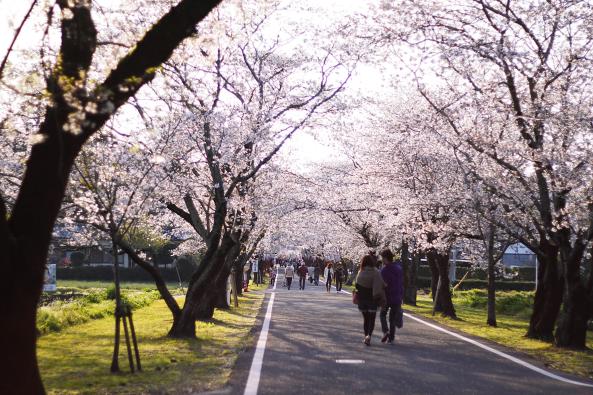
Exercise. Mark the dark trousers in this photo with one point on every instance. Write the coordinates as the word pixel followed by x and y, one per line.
pixel 369 322
pixel 302 282
pixel 328 283
pixel 339 284
pixel 317 279
pixel 393 310
pixel 288 282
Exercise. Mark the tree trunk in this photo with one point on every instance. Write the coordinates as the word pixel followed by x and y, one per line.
pixel 234 288
pixel 548 296
pixel 212 264
pixel 409 268
pixel 215 297
pixel 434 273
pixel 221 300
pixel 491 320
pixel 572 322
pixel 239 280
pixel 24 242
pixel 18 334
pixel 576 309
pixel 443 302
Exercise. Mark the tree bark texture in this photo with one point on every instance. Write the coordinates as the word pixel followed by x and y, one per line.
pixel 548 296
pixel 410 274
pixel 443 302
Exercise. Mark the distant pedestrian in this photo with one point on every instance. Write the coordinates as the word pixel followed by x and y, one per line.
pixel 329 276
pixel 288 274
pixel 302 272
pixel 317 273
pixel 370 290
pixel 339 277
pixel 392 275
pixel 311 273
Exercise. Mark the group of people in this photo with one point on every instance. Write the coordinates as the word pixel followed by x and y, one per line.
pixel 338 275
pixel 378 286
pixel 380 289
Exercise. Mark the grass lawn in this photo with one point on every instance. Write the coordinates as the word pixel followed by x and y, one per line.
pixel 77 359
pixel 510 332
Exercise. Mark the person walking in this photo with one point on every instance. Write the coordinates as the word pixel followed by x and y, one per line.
pixel 302 272
pixel 311 273
pixel 393 277
pixel 339 277
pixel 288 274
pixel 328 274
pixel 370 291
pixel 317 273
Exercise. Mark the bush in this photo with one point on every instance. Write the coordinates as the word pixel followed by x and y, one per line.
pixel 77 259
pixel 500 285
pixel 477 298
pixel 468 284
pixel 514 302
pixel 105 273
pixel 97 304
pixel 110 292
pixel 507 302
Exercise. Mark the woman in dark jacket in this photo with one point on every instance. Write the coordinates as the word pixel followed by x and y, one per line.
pixel 370 290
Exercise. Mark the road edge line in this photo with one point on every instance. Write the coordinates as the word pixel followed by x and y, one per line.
pixel 252 385
pixel 497 352
pixel 501 354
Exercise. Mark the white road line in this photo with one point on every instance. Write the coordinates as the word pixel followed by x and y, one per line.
pixel 276 279
pixel 497 352
pixel 500 353
pixel 350 361
pixel 258 358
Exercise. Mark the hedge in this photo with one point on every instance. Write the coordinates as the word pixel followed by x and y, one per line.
pixel 423 282
pixel 134 274
pixel 526 274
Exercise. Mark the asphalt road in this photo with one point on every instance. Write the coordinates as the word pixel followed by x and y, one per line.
pixel 311 330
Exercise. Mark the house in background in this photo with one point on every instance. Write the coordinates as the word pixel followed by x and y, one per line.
pixel 518 255
pixel 95 255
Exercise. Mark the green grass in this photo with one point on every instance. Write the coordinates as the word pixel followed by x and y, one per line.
pixel 513 311
pixel 77 360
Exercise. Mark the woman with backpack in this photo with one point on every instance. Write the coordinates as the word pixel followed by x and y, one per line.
pixel 329 275
pixel 370 292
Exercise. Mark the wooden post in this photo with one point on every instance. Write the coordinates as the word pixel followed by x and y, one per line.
pixel 128 345
pixel 134 341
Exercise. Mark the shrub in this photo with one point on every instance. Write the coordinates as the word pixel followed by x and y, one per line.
pixel 134 274
pixel 514 302
pixel 97 304
pixel 110 292
pixel 467 284
pixel 474 298
pixel 77 259
pixel 507 302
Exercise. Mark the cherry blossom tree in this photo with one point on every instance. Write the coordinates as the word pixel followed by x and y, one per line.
pixel 512 99
pixel 75 109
